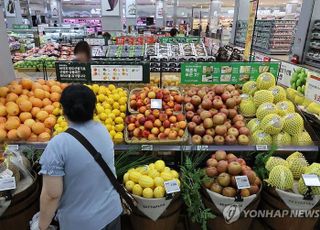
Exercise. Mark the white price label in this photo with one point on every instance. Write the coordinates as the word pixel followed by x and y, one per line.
pixel 242 182
pixel 7 183
pixel 156 104
pixel 202 147
pixel 311 180
pixel 13 147
pixel 147 147
pixel 171 186
pixel 6 173
pixel 285 73
pixel 262 147
pixel 313 87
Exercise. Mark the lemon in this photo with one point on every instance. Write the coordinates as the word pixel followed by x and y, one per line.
pixel 109 127
pixel 102 90
pixel 63 124
pixel 59 129
pixel 111 87
pixel 101 98
pixel 166 176
pixel 118 138
pixel 99 109
pixel 56 111
pixel 146 181
pixel 158 181
pixel 153 173
pixel 96 118
pixel 119 127
pixel 60 119
pixel 118 120
pixel 123 115
pixel 137 190
pixel 95 88
pixel 103 116
pixel 116 97
pixel 116 112
pixel 122 101
pixel 134 176
pixel 147 193
pixel 159 165
pixel 115 105
pixel 107 106
pixel 123 108
pixel 112 133
pixel 174 174
pixel 110 100
pixel 111 116
pixel 129 185
pixel 158 192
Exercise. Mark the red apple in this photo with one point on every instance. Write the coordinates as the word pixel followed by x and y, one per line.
pixel 225 96
pixel 199 130
pixel 231 140
pixel 212 162
pixel 245 131
pixel 231 103
pixel 233 131
pixel 232 113
pixel 221 155
pixel 195 100
pixel 189 107
pixel 238 117
pixel 239 124
pixel 212 171
pixel 234 168
pixel 221 130
pixel 191 127
pixel 217 104
pixel 207 140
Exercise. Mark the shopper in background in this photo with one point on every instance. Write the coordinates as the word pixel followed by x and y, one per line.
pixel 173 32
pixel 82 51
pixel 74 185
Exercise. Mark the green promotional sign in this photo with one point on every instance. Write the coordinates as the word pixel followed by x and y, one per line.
pixel 21 26
pixel 179 39
pixel 225 72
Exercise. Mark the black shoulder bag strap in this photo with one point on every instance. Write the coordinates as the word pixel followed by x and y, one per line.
pixel 104 166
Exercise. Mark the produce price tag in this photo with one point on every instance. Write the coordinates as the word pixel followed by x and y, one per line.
pixel 6 173
pixel 147 147
pixel 171 186
pixel 313 87
pixel 156 104
pixel 7 183
pixel 261 147
pixel 202 147
pixel 285 73
pixel 13 147
pixel 311 180
pixel 242 182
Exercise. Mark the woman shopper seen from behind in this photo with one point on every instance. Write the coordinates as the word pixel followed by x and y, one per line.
pixel 74 185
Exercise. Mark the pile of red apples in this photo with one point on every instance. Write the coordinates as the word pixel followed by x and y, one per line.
pixel 222 168
pixel 212 115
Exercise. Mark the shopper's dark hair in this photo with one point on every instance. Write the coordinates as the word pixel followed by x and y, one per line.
pixel 83 47
pixel 78 102
pixel 173 32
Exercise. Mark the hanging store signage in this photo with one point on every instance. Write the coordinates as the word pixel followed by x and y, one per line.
pixel 250 29
pixel 72 72
pixel 225 72
pixel 10 8
pixel 313 87
pixel 95 41
pixel 110 7
pixel 21 27
pixel 131 8
pixel 179 39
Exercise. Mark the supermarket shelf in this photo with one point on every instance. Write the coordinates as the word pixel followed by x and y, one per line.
pixel 314 47
pixel 200 148
pixel 313 63
pixel 313 59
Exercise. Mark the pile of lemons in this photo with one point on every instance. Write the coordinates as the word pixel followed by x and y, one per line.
pixel 111 110
pixel 148 181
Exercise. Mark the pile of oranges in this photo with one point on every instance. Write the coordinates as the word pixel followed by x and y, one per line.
pixel 29 110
